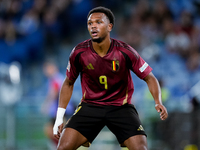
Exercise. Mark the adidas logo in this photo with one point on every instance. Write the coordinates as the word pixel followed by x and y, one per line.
pixel 90 66
pixel 140 128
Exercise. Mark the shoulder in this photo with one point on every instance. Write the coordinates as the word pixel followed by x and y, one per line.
pixel 81 47
pixel 125 48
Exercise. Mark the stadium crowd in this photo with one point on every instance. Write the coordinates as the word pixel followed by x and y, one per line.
pixel 31 28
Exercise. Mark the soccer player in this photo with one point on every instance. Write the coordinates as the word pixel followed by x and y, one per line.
pixel 104 65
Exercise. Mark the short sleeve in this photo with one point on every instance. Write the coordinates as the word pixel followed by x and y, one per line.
pixel 138 65
pixel 141 68
pixel 73 66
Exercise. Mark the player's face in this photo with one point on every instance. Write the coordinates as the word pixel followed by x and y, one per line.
pixel 98 26
pixel 49 69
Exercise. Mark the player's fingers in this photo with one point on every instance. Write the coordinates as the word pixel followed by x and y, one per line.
pixel 60 127
pixel 57 128
pixel 162 110
pixel 163 117
pixel 57 136
pixel 163 114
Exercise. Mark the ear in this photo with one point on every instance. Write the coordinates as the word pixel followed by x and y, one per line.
pixel 110 26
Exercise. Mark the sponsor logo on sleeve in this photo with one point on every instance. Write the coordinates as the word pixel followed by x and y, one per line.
pixel 144 66
pixel 68 66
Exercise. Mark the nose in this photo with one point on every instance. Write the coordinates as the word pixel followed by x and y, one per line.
pixel 94 25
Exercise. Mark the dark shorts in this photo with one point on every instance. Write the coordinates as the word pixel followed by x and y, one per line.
pixel 123 121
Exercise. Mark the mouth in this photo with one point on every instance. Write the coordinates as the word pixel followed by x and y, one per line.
pixel 94 33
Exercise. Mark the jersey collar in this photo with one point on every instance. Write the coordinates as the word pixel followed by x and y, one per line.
pixel 109 50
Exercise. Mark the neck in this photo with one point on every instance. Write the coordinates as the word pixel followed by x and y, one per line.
pixel 102 48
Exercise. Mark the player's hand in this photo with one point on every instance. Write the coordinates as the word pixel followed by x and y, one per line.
pixel 162 110
pixel 57 128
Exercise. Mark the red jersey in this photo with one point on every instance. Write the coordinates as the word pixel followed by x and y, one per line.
pixel 106 80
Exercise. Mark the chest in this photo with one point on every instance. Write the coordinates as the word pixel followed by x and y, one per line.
pixel 109 65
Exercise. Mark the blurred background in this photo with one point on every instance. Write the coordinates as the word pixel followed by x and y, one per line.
pixel 166 33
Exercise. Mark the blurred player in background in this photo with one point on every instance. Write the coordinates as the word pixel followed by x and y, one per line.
pixel 49 107
pixel 104 65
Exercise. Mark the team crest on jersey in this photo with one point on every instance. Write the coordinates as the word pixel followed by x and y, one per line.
pixel 115 65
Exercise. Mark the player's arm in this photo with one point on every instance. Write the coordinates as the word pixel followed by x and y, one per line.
pixel 64 98
pixel 65 93
pixel 155 90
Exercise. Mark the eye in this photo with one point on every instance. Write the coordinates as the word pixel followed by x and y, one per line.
pixel 89 23
pixel 98 22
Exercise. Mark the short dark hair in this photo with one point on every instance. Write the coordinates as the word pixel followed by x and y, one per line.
pixel 104 10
